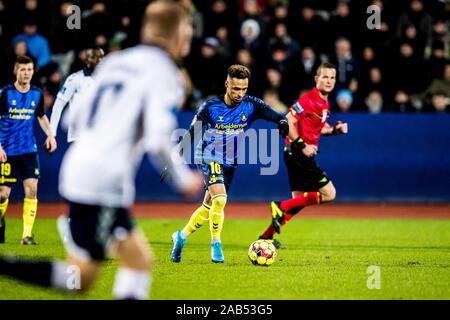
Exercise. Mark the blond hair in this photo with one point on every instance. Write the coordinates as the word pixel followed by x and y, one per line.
pixel 162 18
pixel 325 65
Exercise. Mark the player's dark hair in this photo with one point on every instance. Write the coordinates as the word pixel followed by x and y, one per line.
pixel 325 65
pixel 22 60
pixel 238 71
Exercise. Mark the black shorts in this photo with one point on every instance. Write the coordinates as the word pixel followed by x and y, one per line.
pixel 92 227
pixel 215 173
pixel 24 166
pixel 304 173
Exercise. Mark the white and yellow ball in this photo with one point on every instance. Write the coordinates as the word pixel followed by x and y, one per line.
pixel 262 253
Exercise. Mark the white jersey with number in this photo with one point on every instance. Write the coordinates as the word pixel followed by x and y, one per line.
pixel 130 109
pixel 73 87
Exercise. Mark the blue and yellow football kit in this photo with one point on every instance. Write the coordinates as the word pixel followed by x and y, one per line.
pixel 217 153
pixel 17 111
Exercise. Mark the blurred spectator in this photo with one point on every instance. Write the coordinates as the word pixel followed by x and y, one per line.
pixel 308 28
pixel 97 26
pixel 252 7
pixel 213 69
pixel 196 17
pixel 344 100
pixel 275 81
pixel 407 73
pixel 272 98
pixel 219 14
pixel 437 61
pixel 32 11
pixel 281 36
pixel 280 15
pixel 440 85
pixel 4 62
pixel 374 102
pixel 440 102
pixel 375 82
pixel 379 38
pixel 37 45
pixel 244 57
pixel 251 38
pixel 347 67
pixel 402 103
pixel 440 34
pixel 410 37
pixel 63 41
pixel 225 48
pixel 341 23
pixel 309 65
pixel 20 49
pixel 368 60
pixel 421 20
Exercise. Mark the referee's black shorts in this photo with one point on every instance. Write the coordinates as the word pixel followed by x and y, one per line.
pixel 304 173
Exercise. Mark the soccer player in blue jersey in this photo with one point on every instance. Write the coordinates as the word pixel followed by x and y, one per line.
pixel 19 103
pixel 226 119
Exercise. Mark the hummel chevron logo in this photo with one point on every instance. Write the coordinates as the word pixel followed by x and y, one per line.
pixel 197 225
pixel 215 226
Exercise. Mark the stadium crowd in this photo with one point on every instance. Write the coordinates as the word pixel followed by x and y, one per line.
pixel 402 65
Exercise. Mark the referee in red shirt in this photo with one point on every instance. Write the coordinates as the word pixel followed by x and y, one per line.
pixel 307 122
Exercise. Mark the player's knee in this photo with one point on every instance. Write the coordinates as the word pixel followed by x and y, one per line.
pixel 31 192
pixel 328 195
pixel 4 195
pixel 219 201
pixel 143 262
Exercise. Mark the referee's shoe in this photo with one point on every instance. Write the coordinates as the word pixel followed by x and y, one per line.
pixel 277 215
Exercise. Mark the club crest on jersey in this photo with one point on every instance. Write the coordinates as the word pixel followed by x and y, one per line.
pixel 244 118
pixel 14 102
pixel 220 119
pixel 33 103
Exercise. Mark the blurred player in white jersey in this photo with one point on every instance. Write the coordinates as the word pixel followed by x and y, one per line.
pixel 128 110
pixel 73 87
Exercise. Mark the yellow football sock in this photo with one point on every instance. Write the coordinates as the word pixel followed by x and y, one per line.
pixel 198 218
pixel 29 214
pixel 3 207
pixel 216 215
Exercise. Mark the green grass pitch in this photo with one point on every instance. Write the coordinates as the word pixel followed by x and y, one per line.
pixel 325 259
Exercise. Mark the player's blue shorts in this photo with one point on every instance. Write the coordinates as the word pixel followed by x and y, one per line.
pixel 215 173
pixel 92 227
pixel 24 166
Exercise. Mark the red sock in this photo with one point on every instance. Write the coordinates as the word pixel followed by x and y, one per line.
pixel 270 232
pixel 303 200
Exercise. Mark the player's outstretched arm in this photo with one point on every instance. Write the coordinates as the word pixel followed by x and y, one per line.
pixel 339 128
pixel 265 112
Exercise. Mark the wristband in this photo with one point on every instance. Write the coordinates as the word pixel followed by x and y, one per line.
pixel 299 143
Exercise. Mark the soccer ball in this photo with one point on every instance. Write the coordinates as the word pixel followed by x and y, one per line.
pixel 262 253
